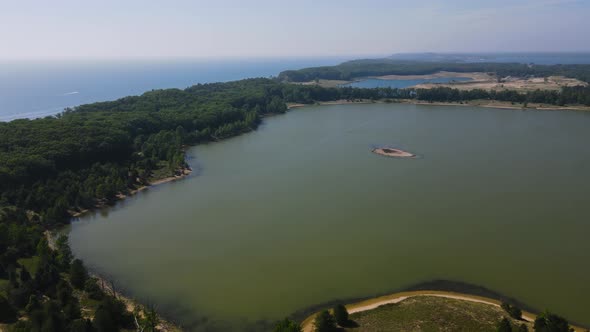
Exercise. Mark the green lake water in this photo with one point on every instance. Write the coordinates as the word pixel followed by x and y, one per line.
pixel 300 212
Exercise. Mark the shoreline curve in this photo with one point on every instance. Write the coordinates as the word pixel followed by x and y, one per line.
pixel 374 303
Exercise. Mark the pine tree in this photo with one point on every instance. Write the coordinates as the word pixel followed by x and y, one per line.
pixel 78 274
pixel 287 325
pixel 341 314
pixel 324 322
pixel 504 325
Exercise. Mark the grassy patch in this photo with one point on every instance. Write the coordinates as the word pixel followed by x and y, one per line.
pixel 31 264
pixel 430 313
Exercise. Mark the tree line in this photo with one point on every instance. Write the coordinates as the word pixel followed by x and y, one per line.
pixel 94 152
pixel 577 95
pixel 379 67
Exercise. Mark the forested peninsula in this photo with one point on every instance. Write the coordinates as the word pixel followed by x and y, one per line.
pixel 91 155
pixel 380 67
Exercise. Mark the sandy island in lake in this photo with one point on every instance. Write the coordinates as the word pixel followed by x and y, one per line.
pixel 391 152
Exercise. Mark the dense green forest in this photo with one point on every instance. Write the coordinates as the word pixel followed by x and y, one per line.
pixel 378 67
pixel 84 157
pixel 577 95
pixel 45 284
pixel 94 152
pixel 90 155
pixel 568 95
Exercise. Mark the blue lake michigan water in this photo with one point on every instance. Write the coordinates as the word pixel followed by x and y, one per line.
pixel 37 89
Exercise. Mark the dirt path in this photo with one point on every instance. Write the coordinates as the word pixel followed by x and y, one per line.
pixel 398 297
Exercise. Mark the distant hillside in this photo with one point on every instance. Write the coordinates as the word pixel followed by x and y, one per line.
pixel 546 58
pixel 351 70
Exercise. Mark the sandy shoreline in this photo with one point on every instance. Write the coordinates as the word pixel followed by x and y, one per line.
pixel 103 283
pixel 501 104
pixel 374 303
pixel 184 172
pixel 476 76
pixel 471 103
pixel 130 304
pixel 108 288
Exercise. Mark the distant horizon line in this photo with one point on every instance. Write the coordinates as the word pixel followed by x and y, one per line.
pixel 277 57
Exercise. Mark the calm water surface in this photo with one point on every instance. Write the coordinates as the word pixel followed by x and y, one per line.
pixel 301 212
pixel 380 83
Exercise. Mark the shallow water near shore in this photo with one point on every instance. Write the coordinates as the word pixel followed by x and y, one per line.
pixel 301 212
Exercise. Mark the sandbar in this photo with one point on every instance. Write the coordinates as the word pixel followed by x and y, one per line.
pixel 391 152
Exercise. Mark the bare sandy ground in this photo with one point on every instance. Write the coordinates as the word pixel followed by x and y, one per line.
pixel 486 82
pixel 184 173
pixel 479 80
pixel 295 105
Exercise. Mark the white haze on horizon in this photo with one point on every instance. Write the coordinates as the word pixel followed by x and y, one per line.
pixel 32 29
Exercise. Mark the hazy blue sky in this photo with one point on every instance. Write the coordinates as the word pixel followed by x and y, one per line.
pixel 130 28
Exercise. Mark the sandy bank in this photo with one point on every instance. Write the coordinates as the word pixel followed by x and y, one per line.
pixel 131 304
pixel 108 288
pixel 476 76
pixel 334 102
pixel 295 105
pixel 470 103
pixel 182 173
pixel 500 104
pixel 374 303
